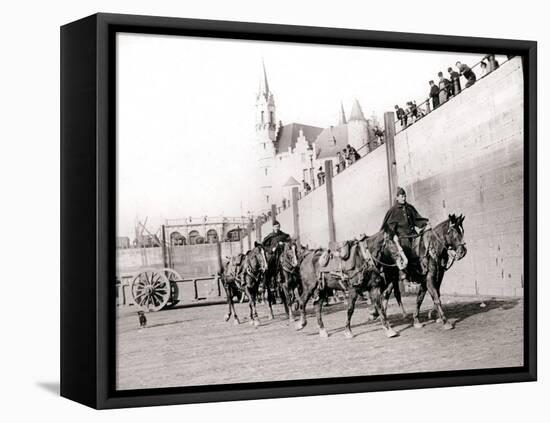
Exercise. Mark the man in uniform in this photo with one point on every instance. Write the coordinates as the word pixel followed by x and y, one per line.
pixel 407 223
pixel 270 244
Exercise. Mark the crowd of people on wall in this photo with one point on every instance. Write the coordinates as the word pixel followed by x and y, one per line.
pixel 445 88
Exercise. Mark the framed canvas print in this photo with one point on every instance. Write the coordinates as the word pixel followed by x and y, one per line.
pixel 258 211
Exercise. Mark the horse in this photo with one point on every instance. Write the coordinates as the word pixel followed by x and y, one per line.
pixel 289 277
pixel 244 273
pixel 443 245
pixel 353 270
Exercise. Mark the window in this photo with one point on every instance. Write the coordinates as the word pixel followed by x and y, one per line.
pixel 271 117
pixel 267 199
pixel 265 170
pixel 211 236
pixel 264 145
pixel 262 117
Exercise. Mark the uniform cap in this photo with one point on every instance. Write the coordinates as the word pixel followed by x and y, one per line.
pixel 401 191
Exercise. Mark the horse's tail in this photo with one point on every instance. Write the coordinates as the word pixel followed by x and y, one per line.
pixel 220 269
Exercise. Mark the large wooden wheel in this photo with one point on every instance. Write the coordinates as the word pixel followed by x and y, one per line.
pixel 151 289
pixel 173 277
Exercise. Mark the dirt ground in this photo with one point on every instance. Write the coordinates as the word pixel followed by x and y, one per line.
pixel 188 346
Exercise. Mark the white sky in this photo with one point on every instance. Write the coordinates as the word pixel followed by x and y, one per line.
pixel 185 112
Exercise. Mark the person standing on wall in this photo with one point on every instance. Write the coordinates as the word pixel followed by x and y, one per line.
pixel 455 81
pixel 444 85
pixel 434 94
pixel 401 116
pixel 468 73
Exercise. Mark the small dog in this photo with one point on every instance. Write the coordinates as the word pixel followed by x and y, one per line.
pixel 142 319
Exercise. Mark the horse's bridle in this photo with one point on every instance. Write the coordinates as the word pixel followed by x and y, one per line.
pixel 448 246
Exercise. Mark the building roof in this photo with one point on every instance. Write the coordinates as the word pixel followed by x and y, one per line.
pixel 288 134
pixel 356 112
pixel 263 89
pixel 291 182
pixel 331 140
pixel 342 117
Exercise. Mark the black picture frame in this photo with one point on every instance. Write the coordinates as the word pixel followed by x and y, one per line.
pixel 88 194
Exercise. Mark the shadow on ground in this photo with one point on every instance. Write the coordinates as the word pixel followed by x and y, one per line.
pixel 51 387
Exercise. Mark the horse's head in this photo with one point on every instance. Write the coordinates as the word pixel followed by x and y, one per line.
pixel 454 238
pixel 289 254
pixel 258 254
pixel 392 247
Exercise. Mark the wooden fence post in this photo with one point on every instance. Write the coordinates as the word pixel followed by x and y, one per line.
pixel 330 204
pixel 296 214
pixel 273 213
pixel 389 132
pixel 249 232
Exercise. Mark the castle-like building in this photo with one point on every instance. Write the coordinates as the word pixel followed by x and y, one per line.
pixel 288 154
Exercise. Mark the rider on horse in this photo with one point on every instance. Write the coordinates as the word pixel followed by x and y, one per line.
pixel 271 243
pixel 408 224
pixel 272 240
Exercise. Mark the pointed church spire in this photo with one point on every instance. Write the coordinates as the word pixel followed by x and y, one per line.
pixel 264 86
pixel 356 112
pixel 342 120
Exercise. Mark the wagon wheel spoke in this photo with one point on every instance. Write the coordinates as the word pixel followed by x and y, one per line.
pixel 151 290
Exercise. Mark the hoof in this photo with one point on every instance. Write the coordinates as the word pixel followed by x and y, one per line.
pixel 390 333
pixel 300 325
pixel 448 326
pixel 430 313
pixel 348 334
pixel 227 317
pixel 323 333
pixel 251 322
pixel 270 317
pixel 483 305
pixel 438 320
pixel 256 322
pixel 236 321
pixel 404 315
pixel 418 325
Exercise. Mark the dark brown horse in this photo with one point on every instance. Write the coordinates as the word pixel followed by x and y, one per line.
pixel 354 270
pixel 244 272
pixel 442 246
pixel 289 277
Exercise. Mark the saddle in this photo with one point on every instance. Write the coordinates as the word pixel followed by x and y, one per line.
pixel 337 262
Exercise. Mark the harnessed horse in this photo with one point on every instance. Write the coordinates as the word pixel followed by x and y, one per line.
pixel 244 273
pixel 289 275
pixel 443 245
pixel 351 269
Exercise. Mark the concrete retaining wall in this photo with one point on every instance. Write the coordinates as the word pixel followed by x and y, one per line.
pixel 465 157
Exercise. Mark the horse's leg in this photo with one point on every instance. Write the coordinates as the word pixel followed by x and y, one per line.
pixel 229 299
pixel 437 287
pixel 419 299
pixel 319 313
pixel 386 296
pixel 287 300
pixel 270 300
pixel 252 305
pixel 397 293
pixel 431 282
pixel 376 297
pixel 303 299
pixel 353 295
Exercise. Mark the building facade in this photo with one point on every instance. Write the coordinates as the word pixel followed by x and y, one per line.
pixel 296 151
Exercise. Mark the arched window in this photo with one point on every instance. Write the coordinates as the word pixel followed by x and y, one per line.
pixel 234 235
pixel 177 239
pixel 211 236
pixel 193 235
pixel 262 117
